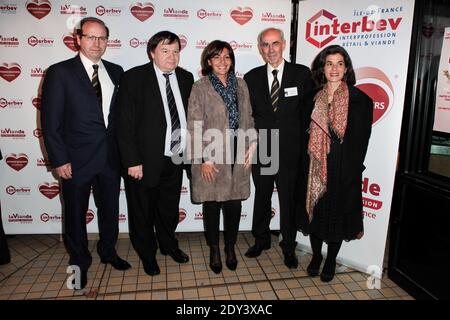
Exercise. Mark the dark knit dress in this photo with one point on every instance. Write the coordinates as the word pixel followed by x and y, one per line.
pixel 329 223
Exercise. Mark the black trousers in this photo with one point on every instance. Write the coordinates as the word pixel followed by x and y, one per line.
pixel 76 192
pixel 231 217
pixel 4 250
pixel 151 208
pixel 285 181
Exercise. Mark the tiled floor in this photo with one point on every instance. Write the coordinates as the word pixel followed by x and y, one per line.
pixel 39 263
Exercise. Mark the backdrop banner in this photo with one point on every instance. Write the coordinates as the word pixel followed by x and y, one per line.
pixel 377 36
pixel 38 33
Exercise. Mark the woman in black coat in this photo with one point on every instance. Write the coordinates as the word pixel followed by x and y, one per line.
pixel 338 118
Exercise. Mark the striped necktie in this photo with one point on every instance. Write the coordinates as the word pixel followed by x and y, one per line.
pixel 274 91
pixel 96 83
pixel 175 139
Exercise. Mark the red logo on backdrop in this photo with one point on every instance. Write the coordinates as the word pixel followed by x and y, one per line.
pixel 70 41
pixel 182 215
pixel 39 8
pixel 183 41
pixel 10 71
pixel 376 84
pixel 36 101
pixel 38 133
pixel 12 103
pixel 241 15
pixel 309 27
pixel 142 11
pixel 274 212
pixel 324 27
pixel 17 161
pixel 32 41
pixel 372 190
pixel 49 190
pixel 100 10
pixel 89 216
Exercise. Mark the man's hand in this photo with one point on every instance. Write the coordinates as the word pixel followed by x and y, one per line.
pixel 208 171
pixel 64 171
pixel 136 172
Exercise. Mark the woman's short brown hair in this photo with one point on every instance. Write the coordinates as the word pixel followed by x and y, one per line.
pixel 212 49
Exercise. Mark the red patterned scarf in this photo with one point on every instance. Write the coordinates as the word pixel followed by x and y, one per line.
pixel 324 116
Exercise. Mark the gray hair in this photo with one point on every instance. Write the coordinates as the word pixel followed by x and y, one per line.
pixel 260 35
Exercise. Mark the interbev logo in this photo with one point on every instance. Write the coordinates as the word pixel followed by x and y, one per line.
pixel 324 27
pixel 376 84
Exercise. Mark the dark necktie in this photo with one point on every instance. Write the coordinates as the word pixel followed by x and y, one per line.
pixel 96 84
pixel 175 139
pixel 274 90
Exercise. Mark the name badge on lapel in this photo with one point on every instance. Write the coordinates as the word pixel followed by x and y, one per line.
pixel 290 92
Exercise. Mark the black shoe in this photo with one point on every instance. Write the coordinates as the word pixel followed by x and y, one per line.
pixel 256 250
pixel 118 263
pixel 290 260
pixel 5 260
pixel 231 260
pixel 177 255
pixel 151 268
pixel 328 271
pixel 314 266
pixel 215 263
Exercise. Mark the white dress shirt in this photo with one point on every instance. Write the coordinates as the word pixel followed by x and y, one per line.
pixel 105 82
pixel 280 69
pixel 180 108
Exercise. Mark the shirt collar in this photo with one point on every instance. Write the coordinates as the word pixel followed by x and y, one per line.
pixel 88 63
pixel 280 68
pixel 159 72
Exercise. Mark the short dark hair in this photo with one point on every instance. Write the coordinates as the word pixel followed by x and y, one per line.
pixel 166 36
pixel 91 19
pixel 212 49
pixel 318 64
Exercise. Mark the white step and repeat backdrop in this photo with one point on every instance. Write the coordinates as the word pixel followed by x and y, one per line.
pixel 37 33
pixel 377 36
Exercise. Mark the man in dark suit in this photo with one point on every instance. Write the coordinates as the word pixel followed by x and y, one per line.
pixel 78 124
pixel 5 257
pixel 276 92
pixel 151 127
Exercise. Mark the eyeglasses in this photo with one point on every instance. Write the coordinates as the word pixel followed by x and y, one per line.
pixel 94 38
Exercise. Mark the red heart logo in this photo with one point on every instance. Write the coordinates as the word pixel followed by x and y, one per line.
pixel 89 216
pixel 182 215
pixel 183 41
pixel 380 99
pixel 17 162
pixel 142 11
pixel 10 71
pixel 50 190
pixel 39 8
pixel 36 102
pixel 241 15
pixel 381 91
pixel 71 42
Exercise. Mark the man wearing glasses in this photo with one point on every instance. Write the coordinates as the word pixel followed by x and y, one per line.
pixel 77 119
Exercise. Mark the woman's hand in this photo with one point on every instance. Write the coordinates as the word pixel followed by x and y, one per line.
pixel 249 155
pixel 136 172
pixel 209 171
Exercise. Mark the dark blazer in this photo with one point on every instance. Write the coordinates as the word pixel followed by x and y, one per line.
pixel 354 148
pixel 72 120
pixel 287 118
pixel 141 122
